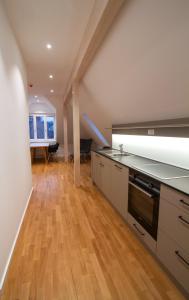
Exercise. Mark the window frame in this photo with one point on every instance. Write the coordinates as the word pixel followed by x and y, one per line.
pixel 45 115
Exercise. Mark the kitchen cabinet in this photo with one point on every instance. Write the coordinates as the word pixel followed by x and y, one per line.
pixel 119 189
pixel 175 198
pixel 175 222
pixel 173 234
pixel 96 168
pixel 112 179
pixel 172 246
pixel 101 173
pixel 105 177
pixel 174 258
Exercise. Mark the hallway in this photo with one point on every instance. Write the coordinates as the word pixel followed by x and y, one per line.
pixel 73 245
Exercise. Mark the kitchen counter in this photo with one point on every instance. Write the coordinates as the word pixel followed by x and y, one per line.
pixel 154 169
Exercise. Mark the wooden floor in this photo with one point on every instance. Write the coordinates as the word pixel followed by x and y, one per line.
pixel 73 245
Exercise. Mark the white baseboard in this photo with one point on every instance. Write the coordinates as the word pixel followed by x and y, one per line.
pixel 14 242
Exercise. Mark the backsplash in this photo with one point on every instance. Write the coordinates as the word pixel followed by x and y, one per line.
pixel 169 150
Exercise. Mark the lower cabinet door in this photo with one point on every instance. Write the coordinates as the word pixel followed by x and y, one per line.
pixel 175 258
pixel 105 177
pixel 96 168
pixel 119 195
pixel 176 224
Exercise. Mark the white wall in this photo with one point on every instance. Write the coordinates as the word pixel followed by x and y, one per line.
pixel 15 170
pixel 170 150
pixel 84 133
pixel 141 72
pixel 40 105
pixel 96 112
pixel 57 103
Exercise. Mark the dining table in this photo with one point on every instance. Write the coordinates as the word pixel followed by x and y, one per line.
pixel 43 146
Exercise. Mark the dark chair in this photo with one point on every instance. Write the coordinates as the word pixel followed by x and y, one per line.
pixel 85 148
pixel 52 149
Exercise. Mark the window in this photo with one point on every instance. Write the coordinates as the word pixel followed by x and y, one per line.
pixel 50 127
pixel 42 127
pixel 31 127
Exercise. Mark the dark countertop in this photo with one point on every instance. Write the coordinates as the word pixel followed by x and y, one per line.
pixel 154 169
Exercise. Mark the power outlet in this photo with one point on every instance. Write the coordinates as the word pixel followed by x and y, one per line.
pixel 151 131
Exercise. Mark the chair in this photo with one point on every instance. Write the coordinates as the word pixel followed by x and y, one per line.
pixel 52 149
pixel 85 148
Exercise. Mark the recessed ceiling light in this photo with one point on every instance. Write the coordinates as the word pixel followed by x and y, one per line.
pixel 35 96
pixel 52 91
pixel 48 46
pixel 51 76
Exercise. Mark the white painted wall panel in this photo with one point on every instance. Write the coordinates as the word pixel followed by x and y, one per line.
pixel 15 170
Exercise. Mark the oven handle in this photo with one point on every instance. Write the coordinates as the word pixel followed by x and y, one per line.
pixel 138 188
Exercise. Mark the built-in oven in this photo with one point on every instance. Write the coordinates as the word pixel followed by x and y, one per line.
pixel 143 201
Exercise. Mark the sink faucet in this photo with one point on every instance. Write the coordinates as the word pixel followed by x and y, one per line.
pixel 121 148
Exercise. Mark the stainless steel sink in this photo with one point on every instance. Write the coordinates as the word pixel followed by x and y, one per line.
pixel 115 153
pixel 110 152
pixel 120 154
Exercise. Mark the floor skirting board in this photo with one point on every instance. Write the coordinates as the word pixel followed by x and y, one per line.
pixel 14 242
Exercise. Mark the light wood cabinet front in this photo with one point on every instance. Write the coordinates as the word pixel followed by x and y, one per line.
pixel 173 234
pixel 96 169
pixel 119 196
pixel 105 177
pixel 172 246
pixel 176 198
pixel 112 179
pixel 174 257
pixel 175 222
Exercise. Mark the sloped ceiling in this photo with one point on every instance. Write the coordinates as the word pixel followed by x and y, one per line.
pixel 141 72
pixel 59 22
pixel 95 111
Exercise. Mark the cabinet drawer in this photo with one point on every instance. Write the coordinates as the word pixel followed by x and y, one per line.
pixel 142 233
pixel 174 258
pixel 119 167
pixel 175 222
pixel 105 160
pixel 179 199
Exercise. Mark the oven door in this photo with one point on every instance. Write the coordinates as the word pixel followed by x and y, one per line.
pixel 144 207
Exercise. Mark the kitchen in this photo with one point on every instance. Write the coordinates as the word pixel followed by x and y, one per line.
pixel 145 177
pixel 114 72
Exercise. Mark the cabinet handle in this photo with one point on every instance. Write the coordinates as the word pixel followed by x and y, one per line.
pixel 183 202
pixel 182 258
pixel 118 167
pixel 101 165
pixel 141 233
pixel 143 191
pixel 183 220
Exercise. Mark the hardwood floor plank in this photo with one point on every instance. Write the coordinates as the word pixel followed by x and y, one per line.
pixel 73 245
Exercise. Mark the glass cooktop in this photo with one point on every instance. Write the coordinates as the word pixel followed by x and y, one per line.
pixel 164 171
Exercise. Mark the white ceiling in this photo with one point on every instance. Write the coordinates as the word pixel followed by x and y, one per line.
pixel 59 22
